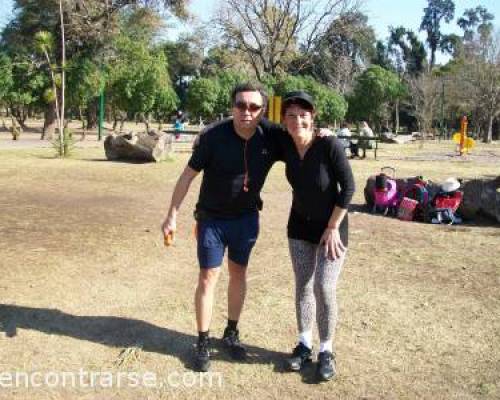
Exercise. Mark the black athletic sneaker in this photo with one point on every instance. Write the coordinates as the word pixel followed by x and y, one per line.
pixel 231 341
pixel 301 355
pixel 326 370
pixel 202 356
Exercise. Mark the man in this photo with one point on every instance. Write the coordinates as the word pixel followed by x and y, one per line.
pixel 235 156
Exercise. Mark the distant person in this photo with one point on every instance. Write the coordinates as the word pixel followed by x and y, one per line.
pixel 344 131
pixel 365 131
pixel 179 124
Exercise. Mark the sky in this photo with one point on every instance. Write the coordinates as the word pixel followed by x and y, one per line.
pixel 381 14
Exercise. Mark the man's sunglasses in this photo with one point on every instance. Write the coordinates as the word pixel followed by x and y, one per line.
pixel 252 107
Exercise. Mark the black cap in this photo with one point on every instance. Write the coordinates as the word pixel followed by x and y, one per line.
pixel 299 96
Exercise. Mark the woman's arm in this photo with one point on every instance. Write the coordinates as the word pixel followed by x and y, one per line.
pixel 334 248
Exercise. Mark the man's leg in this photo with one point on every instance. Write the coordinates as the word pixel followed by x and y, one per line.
pixel 242 236
pixel 204 297
pixel 236 290
pixel 210 256
pixel 204 301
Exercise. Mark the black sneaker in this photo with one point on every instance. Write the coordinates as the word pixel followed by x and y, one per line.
pixel 231 341
pixel 326 369
pixel 202 356
pixel 301 356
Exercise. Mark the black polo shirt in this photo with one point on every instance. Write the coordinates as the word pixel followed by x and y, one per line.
pixel 321 181
pixel 224 158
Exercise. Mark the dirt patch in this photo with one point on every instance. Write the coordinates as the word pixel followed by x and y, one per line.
pixel 87 284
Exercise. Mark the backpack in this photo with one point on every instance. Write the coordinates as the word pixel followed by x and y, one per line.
pixel 444 208
pixel 385 193
pixel 420 195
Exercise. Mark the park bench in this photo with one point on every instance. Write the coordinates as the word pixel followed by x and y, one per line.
pixel 363 141
pixel 182 141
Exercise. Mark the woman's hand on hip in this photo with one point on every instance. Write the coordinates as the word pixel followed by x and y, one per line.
pixel 333 246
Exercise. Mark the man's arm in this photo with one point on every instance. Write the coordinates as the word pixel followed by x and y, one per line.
pixel 169 226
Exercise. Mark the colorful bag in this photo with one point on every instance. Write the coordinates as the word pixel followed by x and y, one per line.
pixel 418 191
pixel 407 208
pixel 448 200
pixel 385 192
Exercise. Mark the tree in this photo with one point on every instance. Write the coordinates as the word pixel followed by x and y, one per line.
pixel 222 58
pixel 269 33
pixel 374 91
pixel 28 90
pixel 435 12
pixel 424 94
pixel 331 107
pixel 408 51
pixel 91 26
pixel 138 82
pixel 381 56
pixel 343 51
pixel 202 97
pixel 478 17
pixel 226 81
pixel 85 80
pixel 6 80
pixel 452 44
pixel 44 44
pixel 483 74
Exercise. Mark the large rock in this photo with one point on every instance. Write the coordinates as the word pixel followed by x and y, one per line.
pixel 388 137
pixel 481 197
pixel 151 146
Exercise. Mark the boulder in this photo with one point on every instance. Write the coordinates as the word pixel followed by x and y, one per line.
pixel 146 147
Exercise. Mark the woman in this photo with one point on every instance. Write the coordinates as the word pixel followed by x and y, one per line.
pixel 323 185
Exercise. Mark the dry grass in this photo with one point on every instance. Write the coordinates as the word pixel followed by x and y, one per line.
pixel 86 283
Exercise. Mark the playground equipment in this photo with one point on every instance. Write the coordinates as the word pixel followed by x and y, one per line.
pixel 465 144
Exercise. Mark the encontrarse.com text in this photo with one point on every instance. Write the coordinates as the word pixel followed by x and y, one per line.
pixel 108 379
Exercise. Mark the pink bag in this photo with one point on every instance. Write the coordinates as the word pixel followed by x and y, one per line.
pixel 406 210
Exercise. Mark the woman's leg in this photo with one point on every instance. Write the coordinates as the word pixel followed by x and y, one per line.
pixel 325 291
pixel 303 256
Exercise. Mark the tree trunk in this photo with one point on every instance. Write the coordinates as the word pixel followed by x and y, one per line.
pixel 82 120
pixel 396 129
pixel 20 117
pixel 50 122
pixel 92 115
pixel 145 119
pixel 488 133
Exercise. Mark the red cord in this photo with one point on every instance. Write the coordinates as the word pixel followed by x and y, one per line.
pixel 245 181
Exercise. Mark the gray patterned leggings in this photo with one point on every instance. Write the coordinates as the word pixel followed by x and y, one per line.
pixel 315 287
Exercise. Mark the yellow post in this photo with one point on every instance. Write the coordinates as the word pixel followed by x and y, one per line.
pixel 463 134
pixel 277 109
pixel 270 108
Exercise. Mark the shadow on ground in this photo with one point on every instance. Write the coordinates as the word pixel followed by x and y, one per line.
pixel 119 332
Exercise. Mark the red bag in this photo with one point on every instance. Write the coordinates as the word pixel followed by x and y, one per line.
pixel 406 210
pixel 444 201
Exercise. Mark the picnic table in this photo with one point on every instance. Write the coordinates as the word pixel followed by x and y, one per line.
pixel 363 141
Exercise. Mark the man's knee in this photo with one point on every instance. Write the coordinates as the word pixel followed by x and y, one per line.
pixel 207 278
pixel 236 271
